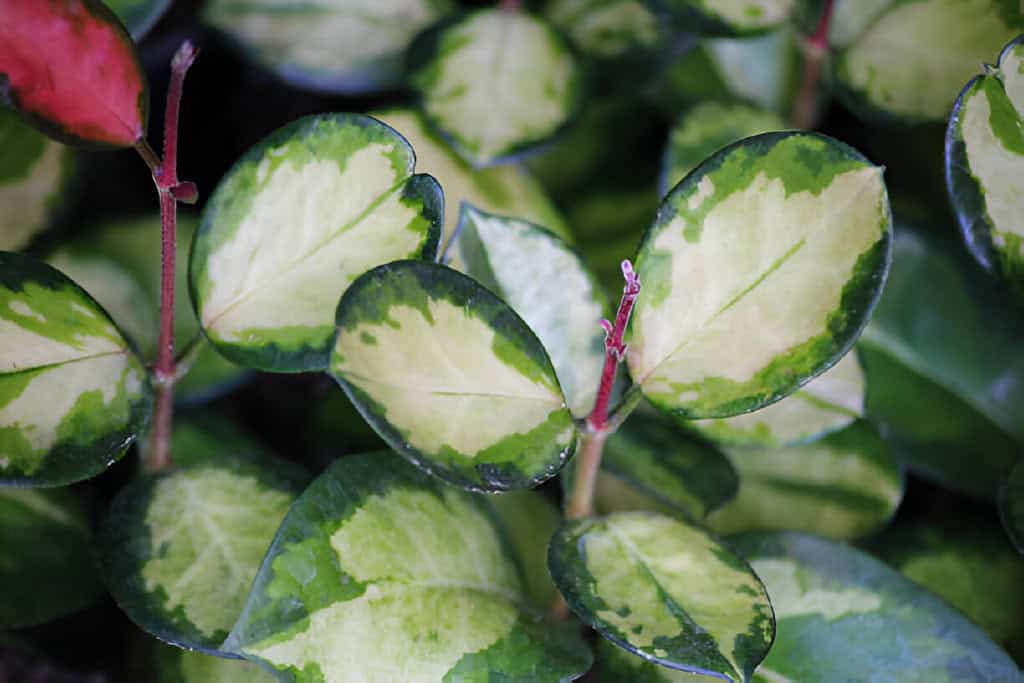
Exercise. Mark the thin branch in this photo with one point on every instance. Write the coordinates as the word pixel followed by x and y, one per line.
pixel 805 108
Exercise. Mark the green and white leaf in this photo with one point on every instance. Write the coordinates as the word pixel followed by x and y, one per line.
pixel 531 520
pixel 508 190
pixel 1011 506
pixel 759 272
pixel 612 663
pixel 336 46
pixel 382 574
pixel 46 570
pixel 198 439
pixel 951 413
pixel 732 17
pixel 34 171
pixel 851 18
pixel 182 666
pixel 829 402
pixel 707 128
pixel 73 394
pixel 304 213
pixel 430 357
pixel 911 61
pixel 179 550
pixel 665 590
pixel 839 610
pixel 985 162
pixel 547 284
pixel 496 83
pixel 138 16
pixel 606 29
pixel 844 486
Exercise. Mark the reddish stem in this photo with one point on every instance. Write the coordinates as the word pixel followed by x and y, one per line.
pixel 805 108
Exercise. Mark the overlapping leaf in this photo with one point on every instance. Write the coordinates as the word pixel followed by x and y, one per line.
pixel 138 16
pixel 731 17
pixel 299 217
pixel 182 666
pixel 431 358
pixel 1011 506
pixel 530 519
pixel 607 29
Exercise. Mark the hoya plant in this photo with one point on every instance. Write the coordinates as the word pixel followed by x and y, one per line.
pixel 512 342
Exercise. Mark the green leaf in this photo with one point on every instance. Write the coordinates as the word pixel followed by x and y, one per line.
pixel 334 47
pixel 607 29
pixel 1011 506
pixel 664 590
pixel 299 217
pixel 34 173
pixel 704 130
pixel 382 574
pixel 912 60
pixel 731 17
pixel 198 439
pixel 496 82
pixel 839 610
pixel 759 272
pixel 179 550
pixel 73 394
pixel 47 570
pixel 430 357
pixel 951 412
pixel 984 164
pixel 851 18
pixel 828 403
pixel 182 666
pixel 138 16
pixel 613 663
pixel 843 486
pixel 531 519
pixel 548 285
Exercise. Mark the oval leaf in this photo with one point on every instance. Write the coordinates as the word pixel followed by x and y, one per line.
pixel 430 357
pixel 299 217
pixel 72 69
pixel 732 17
pixel 759 273
pixel 607 29
pixel 850 18
pixel 138 16
pixel 181 666
pixel 912 60
pixel 843 486
pixel 531 519
pixel 1011 506
pixel 73 395
pixel 664 590
pixel 840 612
pixel 179 550
pixel 381 574
pixel 984 164
pixel 478 74
pixel 337 47
pixel 548 285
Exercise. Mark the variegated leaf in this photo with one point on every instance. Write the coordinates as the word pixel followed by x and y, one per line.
pixel 299 217
pixel 607 29
pixel 704 130
pixel 73 395
pixel 731 17
pixel 840 612
pixel 342 46
pixel 985 162
pixel 548 285
pixel 829 402
pixel 381 574
pixel 530 519
pixel 174 665
pixel 47 570
pixel 759 272
pixel 430 357
pixel 844 486
pixel 851 18
pixel 1011 506
pixel 34 172
pixel 496 82
pixel 138 16
pixel 664 590
pixel 507 189
pixel 179 550
pixel 613 663
pixel 910 61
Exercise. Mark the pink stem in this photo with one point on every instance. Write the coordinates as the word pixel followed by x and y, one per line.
pixel 805 109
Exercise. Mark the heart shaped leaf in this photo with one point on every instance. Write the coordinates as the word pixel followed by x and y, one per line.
pixel 732 17
pixel 430 357
pixel 759 272
pixel 300 216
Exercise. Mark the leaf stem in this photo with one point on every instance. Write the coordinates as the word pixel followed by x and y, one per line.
pixel 815 48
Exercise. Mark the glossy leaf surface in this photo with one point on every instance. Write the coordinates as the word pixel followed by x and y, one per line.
pixel 733 17
pixel 182 666
pixel 430 358
pixel 1011 506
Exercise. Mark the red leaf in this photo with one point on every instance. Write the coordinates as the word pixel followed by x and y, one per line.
pixel 72 68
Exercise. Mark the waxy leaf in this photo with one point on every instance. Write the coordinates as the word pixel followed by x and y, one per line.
pixel 138 16
pixel 73 395
pixel 704 130
pixel 840 612
pixel 731 17
pixel 612 663
pixel 47 570
pixel 829 402
pixel 182 666
pixel 530 519
pixel 607 29
pixel 72 70
pixel 547 284
pixel 300 216
pixel 33 173
pixel 910 61
pixel 431 358
pixel 382 574
pixel 340 47
pixel 844 486
pixel 496 82
pixel 179 550
pixel 1011 506
pixel 985 162
pixel 759 272
pixel 664 590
